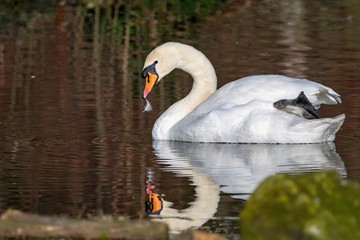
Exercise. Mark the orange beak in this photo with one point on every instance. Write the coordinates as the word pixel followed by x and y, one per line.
pixel 150 81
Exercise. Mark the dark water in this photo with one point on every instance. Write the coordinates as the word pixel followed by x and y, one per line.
pixel 75 142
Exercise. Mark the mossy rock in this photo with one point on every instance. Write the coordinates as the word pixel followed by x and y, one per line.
pixel 310 206
pixel 19 225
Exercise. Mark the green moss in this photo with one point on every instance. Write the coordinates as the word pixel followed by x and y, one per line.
pixel 104 236
pixel 308 206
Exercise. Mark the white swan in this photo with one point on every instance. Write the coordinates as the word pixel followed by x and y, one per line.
pixel 255 109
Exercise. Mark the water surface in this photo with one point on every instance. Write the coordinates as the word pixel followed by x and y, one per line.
pixel 75 142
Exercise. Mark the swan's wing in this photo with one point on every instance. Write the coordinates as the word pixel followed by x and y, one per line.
pixel 269 88
pixel 327 96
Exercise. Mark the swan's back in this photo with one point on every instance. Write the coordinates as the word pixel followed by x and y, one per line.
pixel 267 88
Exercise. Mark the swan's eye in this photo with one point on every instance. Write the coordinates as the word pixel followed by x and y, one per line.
pixel 149 69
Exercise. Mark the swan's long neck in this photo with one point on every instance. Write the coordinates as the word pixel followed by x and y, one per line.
pixel 199 67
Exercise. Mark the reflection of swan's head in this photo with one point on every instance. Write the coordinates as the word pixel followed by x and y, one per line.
pixel 207 193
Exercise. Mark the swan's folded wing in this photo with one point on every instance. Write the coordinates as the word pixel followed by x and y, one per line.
pixel 328 96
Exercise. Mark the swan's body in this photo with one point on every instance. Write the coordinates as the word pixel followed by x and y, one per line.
pixel 241 111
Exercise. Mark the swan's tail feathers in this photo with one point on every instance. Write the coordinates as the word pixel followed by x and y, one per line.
pixel 323 129
pixel 300 106
pixel 334 125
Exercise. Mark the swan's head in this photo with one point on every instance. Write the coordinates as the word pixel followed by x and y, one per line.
pixel 160 61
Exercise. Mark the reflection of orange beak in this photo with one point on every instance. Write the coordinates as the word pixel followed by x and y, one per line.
pixel 156 203
pixel 150 81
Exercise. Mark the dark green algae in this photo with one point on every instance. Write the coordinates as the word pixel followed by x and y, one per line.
pixel 309 206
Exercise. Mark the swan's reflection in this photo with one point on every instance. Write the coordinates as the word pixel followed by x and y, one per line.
pixel 235 169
